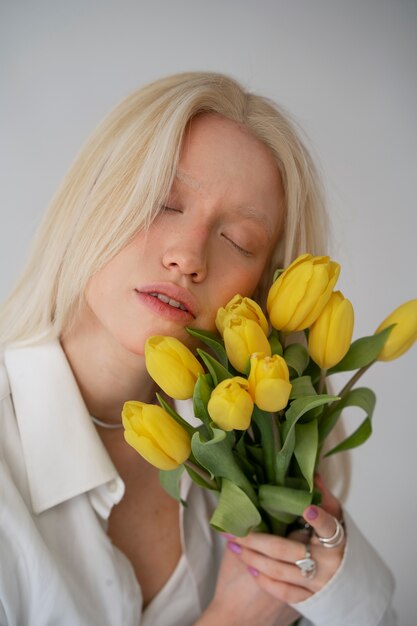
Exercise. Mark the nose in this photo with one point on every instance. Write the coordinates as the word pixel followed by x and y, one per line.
pixel 187 253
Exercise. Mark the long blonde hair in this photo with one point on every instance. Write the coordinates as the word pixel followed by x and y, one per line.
pixel 123 175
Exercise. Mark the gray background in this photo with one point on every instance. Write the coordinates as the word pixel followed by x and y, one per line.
pixel 346 71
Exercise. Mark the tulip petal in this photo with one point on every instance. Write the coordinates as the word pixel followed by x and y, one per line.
pixel 403 335
pixel 149 451
pixel 166 371
pixel 166 434
pixel 272 394
pixel 230 405
pixel 340 332
pixel 331 334
pixel 319 290
pixel 284 297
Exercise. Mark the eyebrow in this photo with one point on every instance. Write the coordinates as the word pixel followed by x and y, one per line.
pixel 187 179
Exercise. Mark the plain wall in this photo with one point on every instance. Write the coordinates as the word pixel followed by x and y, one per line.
pixel 346 71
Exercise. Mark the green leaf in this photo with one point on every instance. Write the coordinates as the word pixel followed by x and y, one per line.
pixel 217 457
pixel 171 482
pixel 274 342
pixel 270 445
pixel 296 356
pixel 277 274
pixel 298 408
pixel 216 369
pixel 235 513
pixel 202 392
pixel 301 387
pixel 363 398
pixel 362 352
pixel 305 451
pixel 212 340
pixel 198 479
pixel 187 427
pixel 276 500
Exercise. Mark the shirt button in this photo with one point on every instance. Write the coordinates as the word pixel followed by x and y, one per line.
pixel 112 485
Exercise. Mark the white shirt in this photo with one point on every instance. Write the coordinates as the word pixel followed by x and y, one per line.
pixel 57 488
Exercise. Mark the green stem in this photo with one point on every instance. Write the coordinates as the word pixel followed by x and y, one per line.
pixel 276 445
pixel 276 438
pixel 355 379
pixel 251 433
pixel 202 473
pixel 322 381
pixel 333 406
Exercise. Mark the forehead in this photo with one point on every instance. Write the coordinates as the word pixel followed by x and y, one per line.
pixel 222 161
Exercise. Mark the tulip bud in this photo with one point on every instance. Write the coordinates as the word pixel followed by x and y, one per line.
pixel 404 333
pixel 172 366
pixel 269 382
pixel 330 336
pixel 230 405
pixel 155 435
pixel 241 307
pixel 243 337
pixel 298 296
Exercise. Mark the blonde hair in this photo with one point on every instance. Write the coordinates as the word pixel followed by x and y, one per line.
pixel 123 175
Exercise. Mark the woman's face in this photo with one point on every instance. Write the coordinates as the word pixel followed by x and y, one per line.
pixel 212 240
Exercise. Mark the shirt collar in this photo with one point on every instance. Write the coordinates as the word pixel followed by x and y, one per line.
pixel 63 453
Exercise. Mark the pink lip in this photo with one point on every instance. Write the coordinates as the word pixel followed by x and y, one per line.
pixel 172 291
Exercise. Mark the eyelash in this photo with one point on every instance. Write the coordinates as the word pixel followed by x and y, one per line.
pixel 233 243
pixel 238 248
pixel 169 208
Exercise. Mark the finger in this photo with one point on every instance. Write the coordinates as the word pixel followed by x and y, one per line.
pixel 287 593
pixel 329 503
pixel 323 523
pixel 274 547
pixel 283 571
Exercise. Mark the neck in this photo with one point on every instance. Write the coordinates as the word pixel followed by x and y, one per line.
pixel 107 374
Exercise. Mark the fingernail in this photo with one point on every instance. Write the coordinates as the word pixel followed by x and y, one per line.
pixel 312 512
pixel 253 571
pixel 234 547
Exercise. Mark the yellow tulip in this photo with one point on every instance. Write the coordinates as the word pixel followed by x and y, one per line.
pixel 157 437
pixel 269 382
pixel 298 296
pixel 242 307
pixel 242 337
pixel 172 366
pixel 230 405
pixel 331 334
pixel 403 335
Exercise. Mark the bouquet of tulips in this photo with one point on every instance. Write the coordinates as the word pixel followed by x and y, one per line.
pixel 260 395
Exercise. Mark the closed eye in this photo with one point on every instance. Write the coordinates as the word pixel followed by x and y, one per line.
pixel 235 245
pixel 170 209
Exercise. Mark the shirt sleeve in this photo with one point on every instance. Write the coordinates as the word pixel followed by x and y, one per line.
pixel 359 593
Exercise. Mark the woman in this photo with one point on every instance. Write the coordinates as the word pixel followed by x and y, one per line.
pixel 192 190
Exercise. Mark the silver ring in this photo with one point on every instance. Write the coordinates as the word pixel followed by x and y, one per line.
pixel 307 565
pixel 336 539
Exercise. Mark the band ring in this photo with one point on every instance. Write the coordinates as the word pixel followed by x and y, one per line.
pixel 336 539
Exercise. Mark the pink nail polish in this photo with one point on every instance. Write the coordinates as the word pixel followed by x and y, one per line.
pixel 253 571
pixel 234 547
pixel 312 512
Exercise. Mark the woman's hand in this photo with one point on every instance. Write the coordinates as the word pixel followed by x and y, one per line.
pixel 271 560
pixel 240 601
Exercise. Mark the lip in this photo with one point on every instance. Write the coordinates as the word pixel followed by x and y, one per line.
pixel 171 291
